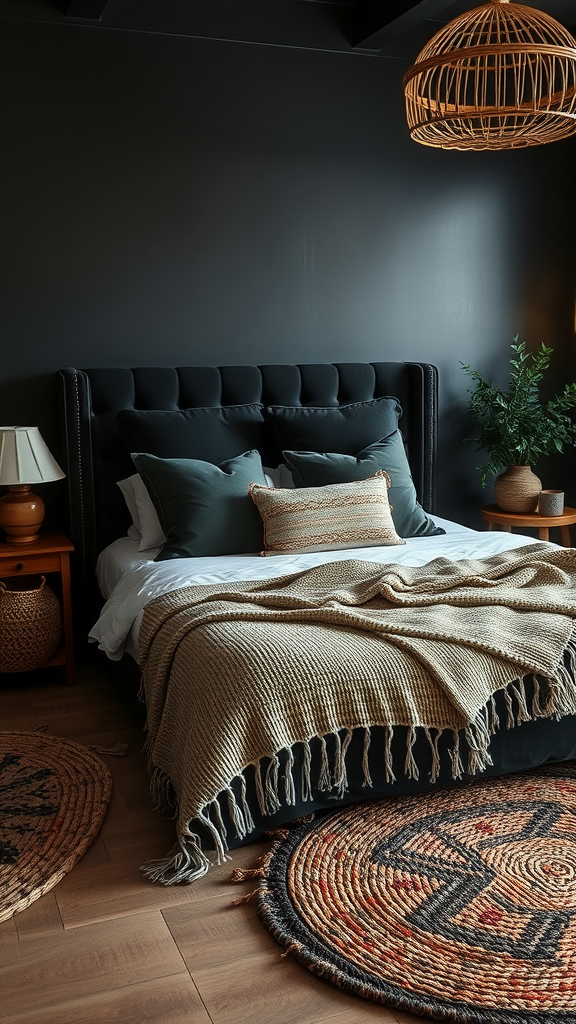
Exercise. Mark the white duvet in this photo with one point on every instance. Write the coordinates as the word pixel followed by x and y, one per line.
pixel 129 579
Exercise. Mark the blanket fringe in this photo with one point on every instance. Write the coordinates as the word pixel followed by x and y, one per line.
pixel 410 767
pixel 494 719
pixel 509 710
pixel 218 829
pixel 564 694
pixel 435 769
pixel 259 788
pixel 324 779
pixel 519 691
pixel 340 781
pixel 389 732
pixel 162 792
pixel 185 863
pixel 365 762
pixel 567 669
pixel 550 698
pixel 236 815
pixel 537 709
pixel 478 740
pixel 271 786
pixel 324 770
pixel 289 788
pixel 248 819
pixel 306 769
pixel 457 766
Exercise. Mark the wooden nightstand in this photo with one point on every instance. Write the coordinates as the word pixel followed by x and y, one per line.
pixel 49 554
pixel 494 516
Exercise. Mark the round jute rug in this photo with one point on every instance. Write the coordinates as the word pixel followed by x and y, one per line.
pixel 459 905
pixel 54 796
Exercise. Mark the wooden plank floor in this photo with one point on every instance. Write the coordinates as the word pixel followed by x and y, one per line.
pixel 106 944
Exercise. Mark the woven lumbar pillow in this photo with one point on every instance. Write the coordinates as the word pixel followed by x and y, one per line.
pixel 350 515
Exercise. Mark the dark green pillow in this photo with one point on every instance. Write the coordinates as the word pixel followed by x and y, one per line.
pixel 315 469
pixel 342 428
pixel 211 434
pixel 204 509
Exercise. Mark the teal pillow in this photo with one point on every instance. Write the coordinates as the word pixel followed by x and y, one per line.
pixel 340 428
pixel 315 469
pixel 204 509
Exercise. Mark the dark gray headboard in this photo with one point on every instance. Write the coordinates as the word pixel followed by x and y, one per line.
pixel 95 460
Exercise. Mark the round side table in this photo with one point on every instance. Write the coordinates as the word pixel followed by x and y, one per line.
pixel 506 521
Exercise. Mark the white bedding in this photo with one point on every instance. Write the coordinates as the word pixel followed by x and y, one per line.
pixel 129 579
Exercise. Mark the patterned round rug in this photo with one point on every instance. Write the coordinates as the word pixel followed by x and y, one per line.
pixel 55 794
pixel 459 905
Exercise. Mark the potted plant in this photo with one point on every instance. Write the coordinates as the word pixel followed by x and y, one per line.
pixel 516 428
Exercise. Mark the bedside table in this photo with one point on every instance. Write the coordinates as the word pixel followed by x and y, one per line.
pixel 49 554
pixel 494 516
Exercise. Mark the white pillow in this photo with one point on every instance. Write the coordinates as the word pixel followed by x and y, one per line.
pixel 144 515
pixel 153 535
pixel 281 476
pixel 127 488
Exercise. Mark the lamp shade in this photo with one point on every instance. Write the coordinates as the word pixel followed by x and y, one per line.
pixel 25 457
pixel 502 76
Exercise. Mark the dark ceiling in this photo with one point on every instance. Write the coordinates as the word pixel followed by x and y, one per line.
pixel 387 28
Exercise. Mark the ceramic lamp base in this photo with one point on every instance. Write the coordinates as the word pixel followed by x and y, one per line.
pixel 21 514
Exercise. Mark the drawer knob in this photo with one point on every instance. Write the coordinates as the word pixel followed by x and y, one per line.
pixel 19 565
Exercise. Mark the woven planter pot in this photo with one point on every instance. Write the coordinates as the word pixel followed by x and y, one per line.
pixel 30 624
pixel 517 489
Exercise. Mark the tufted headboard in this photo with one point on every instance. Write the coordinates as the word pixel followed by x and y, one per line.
pixel 90 400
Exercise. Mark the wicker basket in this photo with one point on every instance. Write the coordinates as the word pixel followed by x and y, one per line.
pixel 30 624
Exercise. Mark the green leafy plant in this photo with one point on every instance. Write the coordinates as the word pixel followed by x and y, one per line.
pixel 514 426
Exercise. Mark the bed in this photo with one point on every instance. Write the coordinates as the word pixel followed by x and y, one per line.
pixel 272 684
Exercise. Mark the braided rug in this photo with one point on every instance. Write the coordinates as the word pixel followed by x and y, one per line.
pixel 458 906
pixel 55 794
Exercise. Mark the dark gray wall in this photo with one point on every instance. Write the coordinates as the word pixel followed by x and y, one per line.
pixel 175 200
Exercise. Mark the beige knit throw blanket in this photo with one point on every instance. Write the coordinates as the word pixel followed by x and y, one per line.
pixel 236 675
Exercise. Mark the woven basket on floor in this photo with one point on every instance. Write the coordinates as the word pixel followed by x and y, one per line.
pixel 30 624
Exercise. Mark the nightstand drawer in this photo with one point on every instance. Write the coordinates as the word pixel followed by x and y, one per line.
pixel 15 566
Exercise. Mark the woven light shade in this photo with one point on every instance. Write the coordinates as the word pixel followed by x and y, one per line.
pixel 502 76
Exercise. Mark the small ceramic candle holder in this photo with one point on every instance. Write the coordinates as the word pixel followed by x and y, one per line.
pixel 551 503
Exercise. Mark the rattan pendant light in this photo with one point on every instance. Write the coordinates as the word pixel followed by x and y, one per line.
pixel 502 76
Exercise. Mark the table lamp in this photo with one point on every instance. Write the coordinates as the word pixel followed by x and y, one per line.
pixel 24 460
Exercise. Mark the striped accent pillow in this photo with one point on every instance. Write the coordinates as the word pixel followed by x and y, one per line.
pixel 350 515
